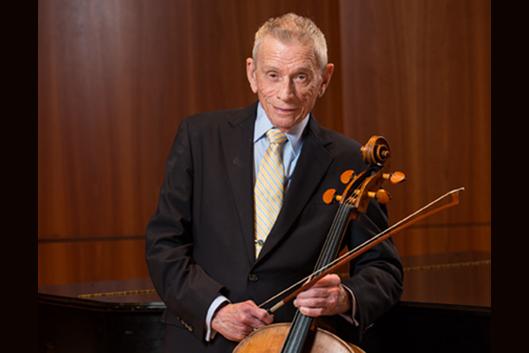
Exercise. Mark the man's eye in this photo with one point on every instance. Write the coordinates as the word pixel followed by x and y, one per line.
pixel 272 75
pixel 302 77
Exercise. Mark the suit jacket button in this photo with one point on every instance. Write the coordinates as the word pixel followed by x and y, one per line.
pixel 253 277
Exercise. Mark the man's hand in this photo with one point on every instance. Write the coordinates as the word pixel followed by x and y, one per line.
pixel 326 297
pixel 236 321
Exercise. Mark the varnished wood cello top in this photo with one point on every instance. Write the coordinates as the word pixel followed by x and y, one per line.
pixel 270 339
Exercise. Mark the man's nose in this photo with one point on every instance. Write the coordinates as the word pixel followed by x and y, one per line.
pixel 286 89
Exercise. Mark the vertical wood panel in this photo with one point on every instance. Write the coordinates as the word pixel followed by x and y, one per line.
pixel 417 72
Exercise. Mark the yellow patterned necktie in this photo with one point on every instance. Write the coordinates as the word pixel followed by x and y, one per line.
pixel 269 187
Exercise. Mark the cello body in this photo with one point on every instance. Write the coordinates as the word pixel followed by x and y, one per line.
pixel 270 339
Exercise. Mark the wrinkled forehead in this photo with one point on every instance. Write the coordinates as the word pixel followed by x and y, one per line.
pixel 286 52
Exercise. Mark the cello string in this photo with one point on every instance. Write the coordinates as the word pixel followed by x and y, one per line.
pixel 340 213
pixel 301 323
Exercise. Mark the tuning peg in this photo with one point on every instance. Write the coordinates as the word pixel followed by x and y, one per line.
pixel 346 176
pixel 328 196
pixel 381 195
pixel 395 177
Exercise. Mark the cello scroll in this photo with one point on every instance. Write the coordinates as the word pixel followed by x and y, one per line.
pixel 362 187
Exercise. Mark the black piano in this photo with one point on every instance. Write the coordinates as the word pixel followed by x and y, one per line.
pixel 445 308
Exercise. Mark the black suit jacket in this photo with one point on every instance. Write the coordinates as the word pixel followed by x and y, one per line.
pixel 199 242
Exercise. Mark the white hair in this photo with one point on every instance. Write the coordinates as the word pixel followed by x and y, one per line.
pixel 291 27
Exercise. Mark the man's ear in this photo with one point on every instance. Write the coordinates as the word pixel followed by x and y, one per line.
pixel 250 74
pixel 326 78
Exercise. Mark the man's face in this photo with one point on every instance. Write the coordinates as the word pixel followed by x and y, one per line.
pixel 287 80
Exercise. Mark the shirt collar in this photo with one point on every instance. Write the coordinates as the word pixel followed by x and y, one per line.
pixel 263 124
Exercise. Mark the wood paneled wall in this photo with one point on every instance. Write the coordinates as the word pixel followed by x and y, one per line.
pixel 117 76
pixel 418 73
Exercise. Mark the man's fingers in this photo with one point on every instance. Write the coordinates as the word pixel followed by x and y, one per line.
pixel 252 322
pixel 236 321
pixel 314 293
pixel 321 293
pixel 312 312
pixel 263 316
pixel 328 281
pixel 322 299
pixel 315 302
pixel 259 314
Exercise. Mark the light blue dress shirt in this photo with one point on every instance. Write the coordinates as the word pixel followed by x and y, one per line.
pixel 291 149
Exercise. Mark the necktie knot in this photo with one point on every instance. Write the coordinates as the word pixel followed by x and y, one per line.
pixel 276 136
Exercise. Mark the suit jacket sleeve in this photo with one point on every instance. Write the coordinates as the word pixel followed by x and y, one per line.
pixel 182 284
pixel 376 277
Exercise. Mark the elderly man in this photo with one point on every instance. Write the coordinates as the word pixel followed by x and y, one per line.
pixel 240 215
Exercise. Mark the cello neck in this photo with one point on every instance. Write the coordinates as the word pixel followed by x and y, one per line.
pixel 300 328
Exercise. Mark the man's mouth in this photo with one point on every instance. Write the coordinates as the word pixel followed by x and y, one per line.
pixel 284 110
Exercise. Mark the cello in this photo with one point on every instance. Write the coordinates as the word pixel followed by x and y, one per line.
pixel 303 335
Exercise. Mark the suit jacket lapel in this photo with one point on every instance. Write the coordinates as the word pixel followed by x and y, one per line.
pixel 237 143
pixel 310 169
